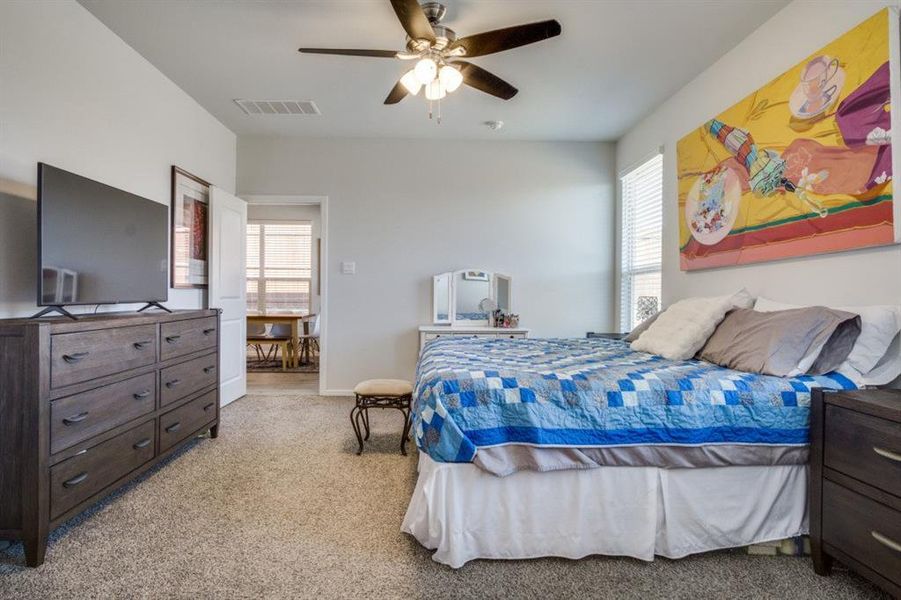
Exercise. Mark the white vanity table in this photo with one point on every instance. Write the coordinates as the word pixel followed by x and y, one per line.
pixel 462 302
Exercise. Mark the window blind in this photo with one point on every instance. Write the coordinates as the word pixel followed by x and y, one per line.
pixel 641 250
pixel 279 267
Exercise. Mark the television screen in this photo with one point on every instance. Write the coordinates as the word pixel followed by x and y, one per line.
pixel 98 244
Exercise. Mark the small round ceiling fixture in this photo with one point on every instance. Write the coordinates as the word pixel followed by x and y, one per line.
pixel 494 125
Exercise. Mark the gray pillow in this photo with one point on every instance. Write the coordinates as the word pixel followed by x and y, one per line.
pixel 778 342
pixel 641 327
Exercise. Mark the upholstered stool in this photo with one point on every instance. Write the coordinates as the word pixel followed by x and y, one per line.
pixel 381 393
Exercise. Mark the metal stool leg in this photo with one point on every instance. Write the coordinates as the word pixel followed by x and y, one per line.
pixel 408 422
pixel 354 414
pixel 366 423
pixel 403 436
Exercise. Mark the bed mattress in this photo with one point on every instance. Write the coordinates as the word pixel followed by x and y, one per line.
pixel 554 404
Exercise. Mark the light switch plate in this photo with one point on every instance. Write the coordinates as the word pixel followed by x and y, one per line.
pixel 348 268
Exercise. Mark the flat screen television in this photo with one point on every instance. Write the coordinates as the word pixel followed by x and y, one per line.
pixel 98 244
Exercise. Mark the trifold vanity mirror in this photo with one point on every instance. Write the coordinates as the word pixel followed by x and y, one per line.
pixel 469 297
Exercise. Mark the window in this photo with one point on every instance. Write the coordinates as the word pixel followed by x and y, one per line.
pixel 641 250
pixel 279 267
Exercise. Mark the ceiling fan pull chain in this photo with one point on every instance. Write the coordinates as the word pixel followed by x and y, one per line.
pixel 439 111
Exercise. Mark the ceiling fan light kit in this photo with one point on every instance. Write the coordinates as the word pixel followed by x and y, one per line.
pixel 437 50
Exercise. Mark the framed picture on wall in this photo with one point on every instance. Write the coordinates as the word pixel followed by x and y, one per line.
pixel 190 225
pixel 802 166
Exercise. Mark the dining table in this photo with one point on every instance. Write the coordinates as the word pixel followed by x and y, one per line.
pixel 298 323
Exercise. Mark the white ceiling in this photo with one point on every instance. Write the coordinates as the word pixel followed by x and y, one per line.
pixel 614 62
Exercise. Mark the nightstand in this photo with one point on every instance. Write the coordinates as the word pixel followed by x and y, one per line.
pixel 608 336
pixel 855 477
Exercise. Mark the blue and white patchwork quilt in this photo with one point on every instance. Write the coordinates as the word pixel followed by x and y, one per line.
pixel 478 392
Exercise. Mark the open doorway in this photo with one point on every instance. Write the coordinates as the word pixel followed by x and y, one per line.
pixel 285 294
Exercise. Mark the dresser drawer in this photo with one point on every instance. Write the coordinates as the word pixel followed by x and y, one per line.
pixel 183 379
pixel 863 529
pixel 79 417
pixel 435 336
pixel 184 337
pixel 76 357
pixel 82 476
pixel 178 424
pixel 864 447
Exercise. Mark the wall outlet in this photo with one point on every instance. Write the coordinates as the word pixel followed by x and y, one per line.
pixel 348 268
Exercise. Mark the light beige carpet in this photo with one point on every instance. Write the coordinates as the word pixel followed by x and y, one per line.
pixel 279 506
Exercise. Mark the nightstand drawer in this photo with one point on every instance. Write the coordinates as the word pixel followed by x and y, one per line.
pixel 864 447
pixel 863 528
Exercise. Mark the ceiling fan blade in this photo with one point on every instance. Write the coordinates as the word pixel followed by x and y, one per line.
pixel 398 93
pixel 414 20
pixel 484 81
pixel 499 40
pixel 350 52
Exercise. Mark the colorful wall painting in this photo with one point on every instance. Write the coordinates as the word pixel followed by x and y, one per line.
pixel 803 165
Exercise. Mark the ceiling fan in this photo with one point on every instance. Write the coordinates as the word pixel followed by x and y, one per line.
pixel 439 52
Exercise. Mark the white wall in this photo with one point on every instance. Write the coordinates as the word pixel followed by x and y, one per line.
pixel 74 95
pixel 405 210
pixel 298 212
pixel 858 277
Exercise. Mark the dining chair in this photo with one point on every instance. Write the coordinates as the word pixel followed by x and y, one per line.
pixel 309 341
pixel 254 332
pixel 273 336
pixel 283 331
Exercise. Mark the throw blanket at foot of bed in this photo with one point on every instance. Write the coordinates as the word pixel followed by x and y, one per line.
pixel 475 393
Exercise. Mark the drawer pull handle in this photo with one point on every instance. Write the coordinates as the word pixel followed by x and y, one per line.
pixel 887 454
pixel 142 444
pixel 141 345
pixel 141 395
pixel 76 419
pixel 209 406
pixel 209 331
pixel 75 480
pixel 173 338
pixel 74 358
pixel 173 383
pixel 209 369
pixel 174 427
pixel 886 541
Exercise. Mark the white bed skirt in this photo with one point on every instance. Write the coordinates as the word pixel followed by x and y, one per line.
pixel 465 513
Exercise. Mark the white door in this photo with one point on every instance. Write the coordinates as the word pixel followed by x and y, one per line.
pixel 228 289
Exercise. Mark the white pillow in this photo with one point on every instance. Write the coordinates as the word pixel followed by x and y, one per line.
pixel 683 328
pixel 878 327
pixel 742 299
pixel 886 370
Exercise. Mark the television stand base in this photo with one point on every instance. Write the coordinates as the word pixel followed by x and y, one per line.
pixel 53 309
pixel 154 305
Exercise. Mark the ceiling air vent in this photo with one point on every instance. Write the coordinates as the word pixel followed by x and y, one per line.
pixel 278 107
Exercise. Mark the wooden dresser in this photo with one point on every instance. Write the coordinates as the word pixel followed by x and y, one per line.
pixel 87 405
pixel 855 495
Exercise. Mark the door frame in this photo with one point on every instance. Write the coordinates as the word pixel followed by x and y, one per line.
pixel 322 202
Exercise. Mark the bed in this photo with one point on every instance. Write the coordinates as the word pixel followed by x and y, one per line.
pixel 571 447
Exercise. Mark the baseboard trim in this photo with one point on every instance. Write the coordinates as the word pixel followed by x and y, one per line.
pixel 336 393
